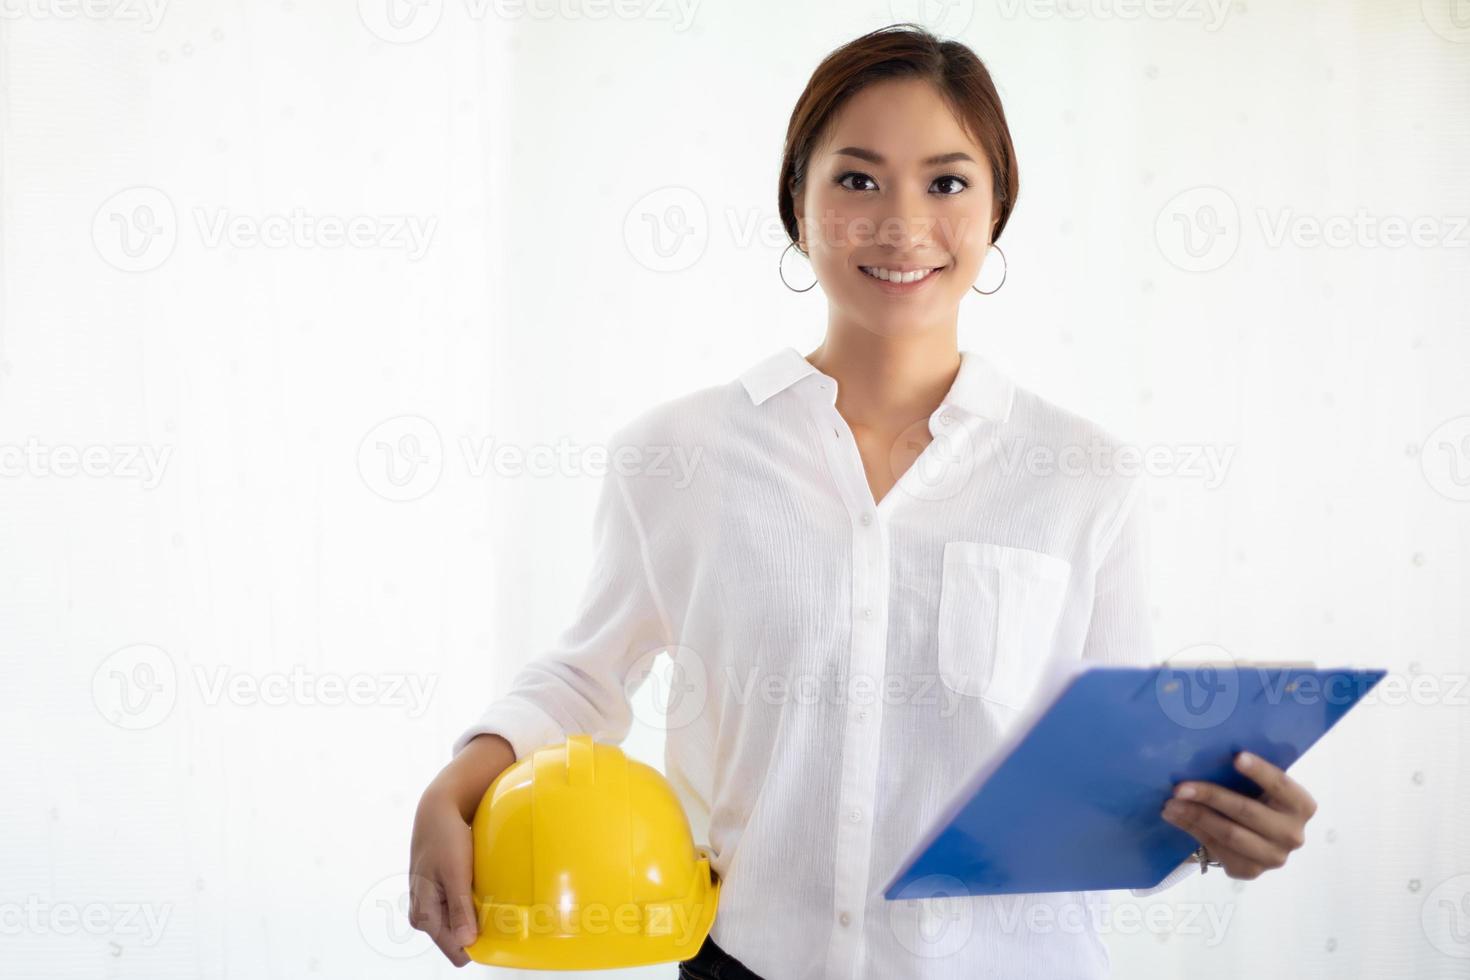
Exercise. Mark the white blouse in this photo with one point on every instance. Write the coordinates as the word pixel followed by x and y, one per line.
pixel 839 667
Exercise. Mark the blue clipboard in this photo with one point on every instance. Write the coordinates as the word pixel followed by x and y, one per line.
pixel 1072 800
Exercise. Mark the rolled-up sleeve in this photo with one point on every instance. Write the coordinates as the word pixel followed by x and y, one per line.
pixel 1120 631
pixel 581 684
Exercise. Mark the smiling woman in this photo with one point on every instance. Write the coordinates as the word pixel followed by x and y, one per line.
pixel 862 594
pixel 899 168
pixel 897 176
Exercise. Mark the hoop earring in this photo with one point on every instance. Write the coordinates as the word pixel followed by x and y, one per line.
pixel 1004 266
pixel 780 269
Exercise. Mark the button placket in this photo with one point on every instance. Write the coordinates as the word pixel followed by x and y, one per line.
pixel 867 656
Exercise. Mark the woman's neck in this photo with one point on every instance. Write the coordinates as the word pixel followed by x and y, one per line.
pixel 885 383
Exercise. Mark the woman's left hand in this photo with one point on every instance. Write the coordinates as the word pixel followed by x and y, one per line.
pixel 1247 836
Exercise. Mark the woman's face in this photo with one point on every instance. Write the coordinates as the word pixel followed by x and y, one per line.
pixel 897 184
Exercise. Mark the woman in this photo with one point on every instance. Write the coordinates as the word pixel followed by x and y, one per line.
pixel 862 583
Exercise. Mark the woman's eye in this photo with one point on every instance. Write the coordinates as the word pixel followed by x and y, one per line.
pixel 842 181
pixel 952 178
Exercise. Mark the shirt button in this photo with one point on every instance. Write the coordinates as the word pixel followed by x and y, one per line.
pixel 844 918
pixel 862 714
pixel 867 612
pixel 867 518
pixel 946 419
pixel 855 815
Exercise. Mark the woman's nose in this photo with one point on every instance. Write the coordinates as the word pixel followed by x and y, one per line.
pixel 907 221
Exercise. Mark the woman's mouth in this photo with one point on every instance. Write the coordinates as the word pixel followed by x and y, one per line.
pixel 900 280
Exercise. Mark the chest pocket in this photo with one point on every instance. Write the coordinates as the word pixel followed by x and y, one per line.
pixel 998 611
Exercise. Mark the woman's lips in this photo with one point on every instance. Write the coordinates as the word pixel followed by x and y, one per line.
pixel 900 288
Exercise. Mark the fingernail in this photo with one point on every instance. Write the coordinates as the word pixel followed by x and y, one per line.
pixel 1172 809
pixel 1185 793
pixel 1247 760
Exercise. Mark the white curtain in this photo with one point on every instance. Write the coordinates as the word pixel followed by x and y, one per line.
pixel 315 314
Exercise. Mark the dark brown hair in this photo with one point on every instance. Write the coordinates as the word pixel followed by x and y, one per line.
pixel 901 51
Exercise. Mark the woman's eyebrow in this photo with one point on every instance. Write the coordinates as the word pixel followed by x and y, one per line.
pixel 872 157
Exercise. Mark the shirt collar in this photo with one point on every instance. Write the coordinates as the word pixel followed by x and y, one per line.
pixel 979 388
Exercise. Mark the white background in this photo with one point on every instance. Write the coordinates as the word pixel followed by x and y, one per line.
pixel 1202 259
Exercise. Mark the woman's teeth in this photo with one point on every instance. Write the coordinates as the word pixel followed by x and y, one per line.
pixel 888 276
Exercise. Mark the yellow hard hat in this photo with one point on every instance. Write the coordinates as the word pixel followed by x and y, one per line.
pixel 584 860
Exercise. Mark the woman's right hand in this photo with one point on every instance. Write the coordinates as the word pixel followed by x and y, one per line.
pixel 441 857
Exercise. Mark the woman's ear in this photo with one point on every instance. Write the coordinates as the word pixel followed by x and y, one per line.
pixel 798 200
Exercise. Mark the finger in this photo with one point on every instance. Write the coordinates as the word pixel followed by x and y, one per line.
pixel 444 938
pixel 1236 865
pixel 1227 839
pixel 450 948
pixel 463 924
pixel 1281 791
pixel 427 913
pixel 1278 826
pixel 425 904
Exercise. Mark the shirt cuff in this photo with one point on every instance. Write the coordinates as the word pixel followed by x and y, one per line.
pixel 519 721
pixel 1187 868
